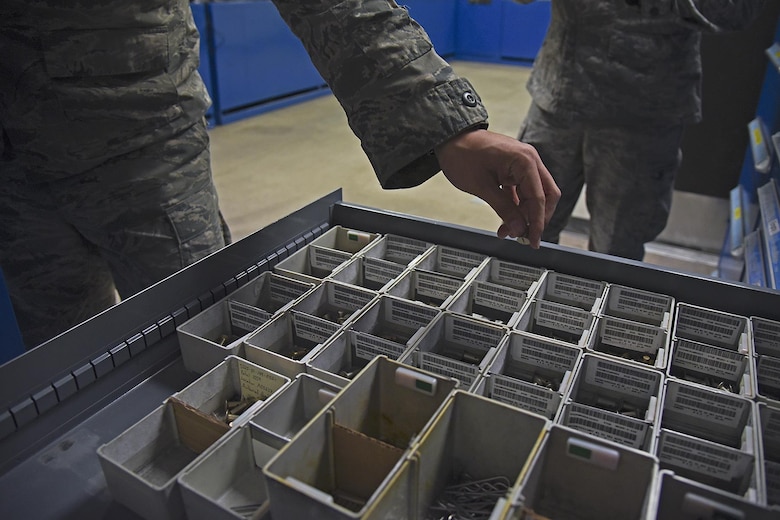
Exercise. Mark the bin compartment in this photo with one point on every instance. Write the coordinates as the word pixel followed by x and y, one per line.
pixel 283 416
pixel 572 291
pixel 457 346
pixel 142 464
pixel 577 476
pixel 615 401
pixel 532 373
pixel 233 390
pixel 557 321
pixel 349 462
pixel 473 456
pixel 227 483
pixel 637 305
pixel 631 341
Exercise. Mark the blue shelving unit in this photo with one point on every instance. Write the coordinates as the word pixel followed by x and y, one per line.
pixel 478 31
pixel 438 18
pixel 11 344
pixel 523 29
pixel 200 16
pixel 252 63
pixel 259 64
pixel 751 180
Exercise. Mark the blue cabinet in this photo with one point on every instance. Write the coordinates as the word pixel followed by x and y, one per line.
pixel 11 344
pixel 523 29
pixel 496 30
pixel 437 17
pixel 257 59
pixel 478 34
pixel 199 15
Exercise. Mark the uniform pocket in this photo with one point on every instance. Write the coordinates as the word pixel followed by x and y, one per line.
pixel 197 225
pixel 112 74
pixel 653 53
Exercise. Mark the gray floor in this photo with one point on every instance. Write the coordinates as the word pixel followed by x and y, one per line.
pixel 270 165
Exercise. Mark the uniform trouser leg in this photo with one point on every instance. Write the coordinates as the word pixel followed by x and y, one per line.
pixel 67 246
pixel 629 172
pixel 559 143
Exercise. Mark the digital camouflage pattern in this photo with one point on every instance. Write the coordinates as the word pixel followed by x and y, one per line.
pixel 400 97
pixel 613 86
pixel 629 61
pixel 105 160
pixel 629 171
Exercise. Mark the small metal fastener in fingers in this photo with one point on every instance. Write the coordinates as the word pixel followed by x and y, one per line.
pixel 523 239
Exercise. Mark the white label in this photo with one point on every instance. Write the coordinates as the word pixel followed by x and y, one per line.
pixel 773 226
pixel 514 275
pixel 772 472
pixel 498 297
pixel 457 261
pixel 435 286
pixel 368 347
pixel 402 249
pixel 286 291
pixel 381 271
pixel 408 314
pixel 709 325
pixel 326 259
pixel 624 379
pixel 639 303
pixel 705 359
pixel 464 372
pixel 257 383
pixel 246 317
pixel 313 328
pixel 574 289
pixel 561 317
pixel 771 427
pixel 705 458
pixel 715 407
pixel 472 333
pixel 350 298
pixel 527 396
pixel 766 336
pixel 631 336
pixel 607 425
pixel 544 354
pixel 768 371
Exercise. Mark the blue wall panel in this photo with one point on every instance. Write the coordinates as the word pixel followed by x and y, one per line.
pixel 523 29
pixel 257 57
pixel 438 19
pixel 11 344
pixel 199 14
pixel 478 33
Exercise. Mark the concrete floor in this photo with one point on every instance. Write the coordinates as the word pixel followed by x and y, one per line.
pixel 270 165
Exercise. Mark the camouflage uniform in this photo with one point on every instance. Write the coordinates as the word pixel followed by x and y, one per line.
pixel 613 86
pixel 105 161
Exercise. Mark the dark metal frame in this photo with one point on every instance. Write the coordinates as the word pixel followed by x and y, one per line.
pixel 60 401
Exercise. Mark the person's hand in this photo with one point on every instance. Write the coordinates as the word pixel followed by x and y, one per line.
pixel 505 173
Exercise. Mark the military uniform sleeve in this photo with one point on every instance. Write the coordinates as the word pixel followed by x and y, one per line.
pixel 401 99
pixel 711 15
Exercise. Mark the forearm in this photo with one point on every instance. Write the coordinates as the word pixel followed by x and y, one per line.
pixel 401 99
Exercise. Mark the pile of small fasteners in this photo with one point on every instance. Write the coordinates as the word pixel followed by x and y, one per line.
pixel 340 317
pixel 233 408
pixel 707 380
pixel 469 499
pixel 298 353
pixel 631 355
